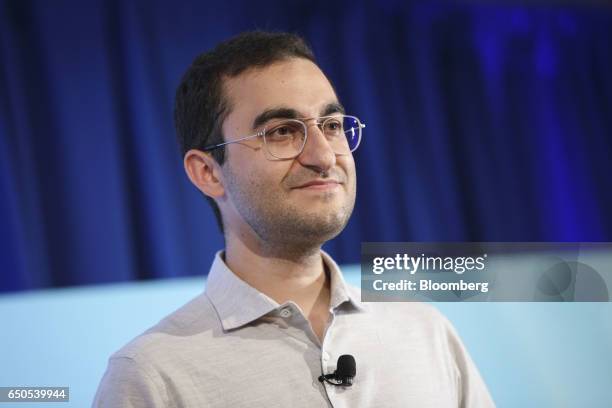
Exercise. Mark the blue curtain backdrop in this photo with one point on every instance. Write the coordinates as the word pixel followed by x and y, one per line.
pixel 484 123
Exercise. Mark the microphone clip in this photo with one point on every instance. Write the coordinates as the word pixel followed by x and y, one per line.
pixel 342 382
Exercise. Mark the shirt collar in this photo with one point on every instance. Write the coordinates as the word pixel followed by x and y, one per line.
pixel 340 291
pixel 237 303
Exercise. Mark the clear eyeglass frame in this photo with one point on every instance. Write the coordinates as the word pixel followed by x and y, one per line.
pixel 320 122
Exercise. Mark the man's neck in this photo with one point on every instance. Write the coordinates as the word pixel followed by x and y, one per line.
pixel 282 274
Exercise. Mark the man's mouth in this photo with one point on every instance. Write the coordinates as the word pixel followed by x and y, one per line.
pixel 319 185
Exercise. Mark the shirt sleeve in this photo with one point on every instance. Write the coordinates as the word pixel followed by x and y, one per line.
pixel 126 384
pixel 472 390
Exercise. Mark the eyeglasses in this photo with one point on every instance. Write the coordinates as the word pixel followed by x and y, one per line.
pixel 285 139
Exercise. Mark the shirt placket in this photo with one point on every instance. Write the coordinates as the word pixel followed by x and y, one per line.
pixel 292 316
pixel 326 357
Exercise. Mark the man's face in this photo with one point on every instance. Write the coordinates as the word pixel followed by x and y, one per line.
pixel 277 199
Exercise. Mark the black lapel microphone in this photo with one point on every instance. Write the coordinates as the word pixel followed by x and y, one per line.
pixel 345 371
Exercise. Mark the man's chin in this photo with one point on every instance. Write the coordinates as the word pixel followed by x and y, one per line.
pixel 320 228
pixel 303 225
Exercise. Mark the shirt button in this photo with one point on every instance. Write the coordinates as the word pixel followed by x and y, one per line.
pixel 286 312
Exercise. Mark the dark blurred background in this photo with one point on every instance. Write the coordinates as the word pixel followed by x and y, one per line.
pixel 485 122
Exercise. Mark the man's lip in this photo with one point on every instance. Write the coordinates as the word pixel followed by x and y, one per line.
pixel 318 183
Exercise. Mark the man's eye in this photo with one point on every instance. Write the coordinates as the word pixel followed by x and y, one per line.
pixel 283 132
pixel 333 126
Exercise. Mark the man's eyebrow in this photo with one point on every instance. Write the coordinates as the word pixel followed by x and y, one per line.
pixel 288 113
pixel 330 108
pixel 275 113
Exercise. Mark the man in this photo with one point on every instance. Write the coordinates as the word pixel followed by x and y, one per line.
pixel 267 141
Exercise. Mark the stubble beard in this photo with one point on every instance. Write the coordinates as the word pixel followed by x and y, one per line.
pixel 284 226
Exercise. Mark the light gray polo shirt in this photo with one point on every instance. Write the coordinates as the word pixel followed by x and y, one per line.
pixel 233 346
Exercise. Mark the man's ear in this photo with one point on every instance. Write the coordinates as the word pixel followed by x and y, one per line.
pixel 204 172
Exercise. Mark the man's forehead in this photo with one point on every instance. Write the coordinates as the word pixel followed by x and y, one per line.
pixel 296 85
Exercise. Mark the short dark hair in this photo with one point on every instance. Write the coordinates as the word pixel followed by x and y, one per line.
pixel 201 107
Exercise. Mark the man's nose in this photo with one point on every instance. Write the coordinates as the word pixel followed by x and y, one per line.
pixel 317 152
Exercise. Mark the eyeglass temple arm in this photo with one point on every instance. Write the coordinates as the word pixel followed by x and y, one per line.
pixel 211 147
